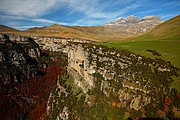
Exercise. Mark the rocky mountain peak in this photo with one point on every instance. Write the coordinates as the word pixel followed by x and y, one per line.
pixel 130 19
pixel 134 20
pixel 133 25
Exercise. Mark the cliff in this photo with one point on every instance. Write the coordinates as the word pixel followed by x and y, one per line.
pixel 99 75
pixel 103 83
pixel 19 58
pixel 27 76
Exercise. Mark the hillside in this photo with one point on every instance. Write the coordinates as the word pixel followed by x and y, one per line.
pixel 115 30
pixel 4 28
pixel 95 33
pixel 119 29
pixel 62 31
pixel 166 30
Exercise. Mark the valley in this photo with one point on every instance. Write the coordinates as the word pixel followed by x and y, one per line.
pixel 48 73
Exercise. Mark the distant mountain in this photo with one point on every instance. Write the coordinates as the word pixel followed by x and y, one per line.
pixel 133 20
pixel 168 29
pixel 4 28
pixel 120 29
pixel 59 30
pixel 134 26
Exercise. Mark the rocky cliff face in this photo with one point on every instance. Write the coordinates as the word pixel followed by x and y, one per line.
pixel 134 26
pixel 18 58
pixel 126 69
pixel 25 80
pixel 120 77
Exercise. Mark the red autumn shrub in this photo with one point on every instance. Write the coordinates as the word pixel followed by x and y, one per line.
pixel 21 98
pixel 166 108
pixel 168 101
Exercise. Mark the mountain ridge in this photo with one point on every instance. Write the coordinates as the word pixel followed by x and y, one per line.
pixel 134 19
pixel 122 28
pixel 4 28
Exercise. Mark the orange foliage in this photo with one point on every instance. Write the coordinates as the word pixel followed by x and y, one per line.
pixel 142 110
pixel 118 105
pixel 92 102
pixel 43 116
pixel 85 106
pixel 161 113
pixel 137 118
pixel 114 104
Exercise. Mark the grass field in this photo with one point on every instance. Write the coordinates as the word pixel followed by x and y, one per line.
pixel 168 48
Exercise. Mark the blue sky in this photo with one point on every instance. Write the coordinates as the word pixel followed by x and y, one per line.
pixel 24 14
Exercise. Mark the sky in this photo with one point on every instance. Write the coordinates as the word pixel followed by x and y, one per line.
pixel 24 14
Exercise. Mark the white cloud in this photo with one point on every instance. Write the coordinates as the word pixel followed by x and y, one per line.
pixel 26 27
pixel 40 20
pixel 92 17
pixel 43 20
pixel 147 12
pixel 47 21
pixel 172 3
pixel 37 8
pixel 94 9
pixel 28 8
pixel 168 16
pixel 33 10
pixel 88 22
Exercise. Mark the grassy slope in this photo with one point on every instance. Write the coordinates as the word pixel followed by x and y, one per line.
pixel 4 28
pixel 167 30
pixel 165 38
pixel 95 33
pixel 65 31
pixel 169 49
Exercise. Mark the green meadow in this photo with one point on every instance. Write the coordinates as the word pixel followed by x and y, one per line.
pixel 168 48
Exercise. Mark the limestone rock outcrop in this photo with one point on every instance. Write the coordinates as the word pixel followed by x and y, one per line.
pixel 18 57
